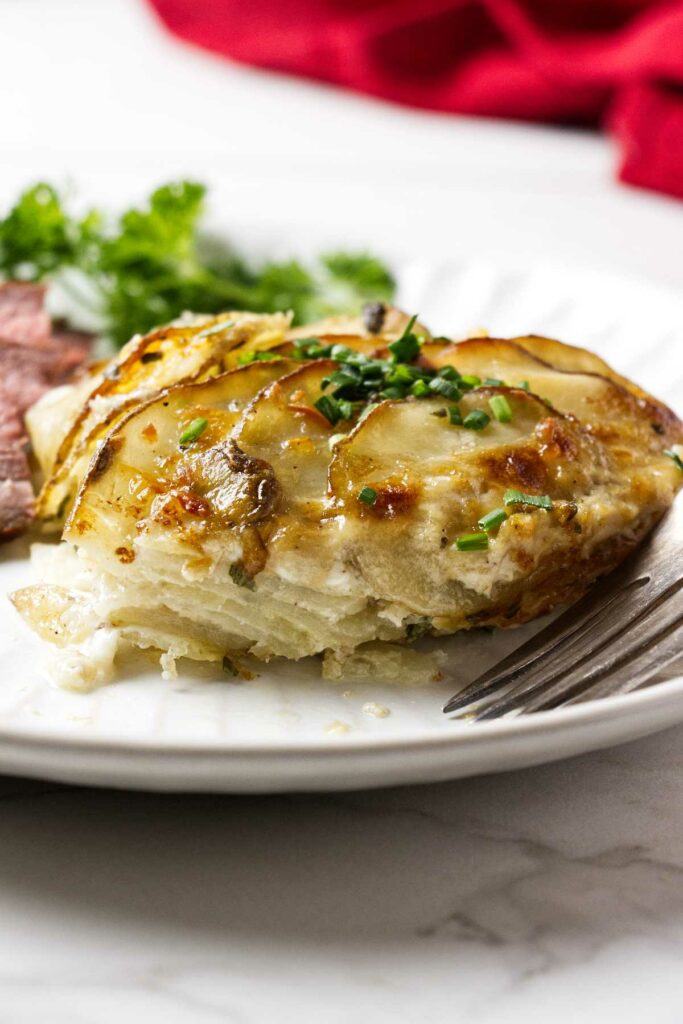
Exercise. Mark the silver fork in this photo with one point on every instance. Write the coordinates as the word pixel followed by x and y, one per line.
pixel 622 633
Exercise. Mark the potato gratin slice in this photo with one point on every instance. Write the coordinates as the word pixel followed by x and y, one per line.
pixel 235 487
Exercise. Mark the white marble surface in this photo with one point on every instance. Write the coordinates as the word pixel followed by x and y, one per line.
pixel 548 894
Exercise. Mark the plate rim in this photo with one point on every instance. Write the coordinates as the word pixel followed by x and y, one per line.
pixel 34 737
pixel 580 715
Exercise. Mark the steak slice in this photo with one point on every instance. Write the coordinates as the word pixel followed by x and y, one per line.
pixel 33 358
pixel 23 318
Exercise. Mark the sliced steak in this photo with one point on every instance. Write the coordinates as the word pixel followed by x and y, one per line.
pixel 33 358
pixel 23 318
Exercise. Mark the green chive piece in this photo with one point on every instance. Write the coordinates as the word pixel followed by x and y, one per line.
pixel 469 381
pixel 420 388
pixel 476 420
pixel 329 407
pixel 195 430
pixel 256 357
pixel 512 497
pixel 676 458
pixel 448 373
pixel 455 416
pixel 492 520
pixel 306 342
pixel 447 388
pixel 367 496
pixel 492 382
pixel 500 407
pixel 239 575
pixel 524 384
pixel 472 542
pixel 346 408
pixel 407 347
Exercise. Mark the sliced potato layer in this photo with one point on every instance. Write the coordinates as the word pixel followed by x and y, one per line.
pixel 226 504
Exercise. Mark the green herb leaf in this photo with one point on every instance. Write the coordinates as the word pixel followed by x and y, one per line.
pixel 446 388
pixel 512 497
pixel 194 431
pixel 500 407
pixel 256 357
pixel 419 389
pixel 407 347
pixel 153 264
pixel 367 496
pixel 330 409
pixel 492 520
pixel 472 542
pixel 240 576
pixel 448 373
pixel 476 420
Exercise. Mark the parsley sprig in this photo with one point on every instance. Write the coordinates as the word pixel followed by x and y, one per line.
pixel 153 263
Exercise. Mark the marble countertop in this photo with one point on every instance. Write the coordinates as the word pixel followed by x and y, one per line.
pixel 550 893
pixel 554 893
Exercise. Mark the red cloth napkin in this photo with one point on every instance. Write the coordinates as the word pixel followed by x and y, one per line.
pixel 616 63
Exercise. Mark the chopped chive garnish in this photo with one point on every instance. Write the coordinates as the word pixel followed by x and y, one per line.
pixel 676 458
pixel 524 384
pixel 329 407
pixel 420 388
pixel 401 374
pixel 405 348
pixel 472 542
pixel 476 420
pixel 512 497
pixel 492 382
pixel 500 407
pixel 448 373
pixel 367 496
pixel 492 520
pixel 335 409
pixel 447 388
pixel 454 416
pixel 195 430
pixel 469 381
pixel 393 393
pixel 240 576
pixel 306 342
pixel 256 357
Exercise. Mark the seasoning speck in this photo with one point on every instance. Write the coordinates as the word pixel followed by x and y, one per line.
pixel 337 728
pixel 376 710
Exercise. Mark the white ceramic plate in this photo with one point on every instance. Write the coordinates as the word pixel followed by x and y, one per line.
pixel 287 729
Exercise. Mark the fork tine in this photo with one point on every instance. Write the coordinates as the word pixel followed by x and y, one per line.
pixel 574 659
pixel 651 577
pixel 570 626
pixel 647 664
pixel 609 659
